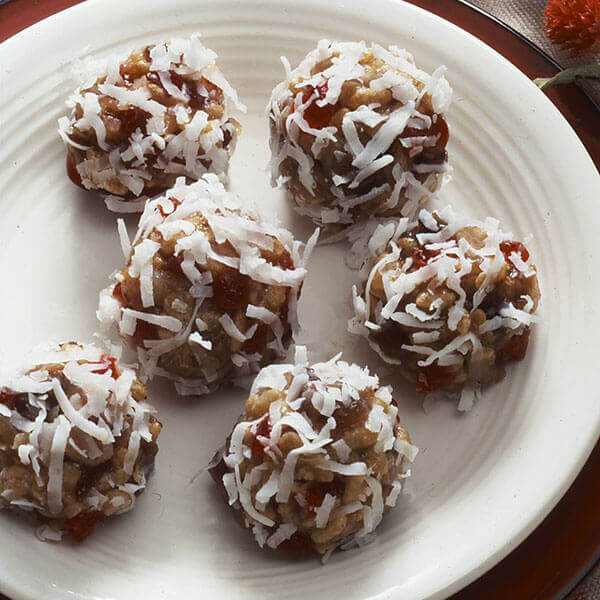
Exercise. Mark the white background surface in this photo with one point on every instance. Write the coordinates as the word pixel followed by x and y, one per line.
pixel 481 482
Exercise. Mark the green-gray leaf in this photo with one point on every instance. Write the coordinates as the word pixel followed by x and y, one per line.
pixel 569 76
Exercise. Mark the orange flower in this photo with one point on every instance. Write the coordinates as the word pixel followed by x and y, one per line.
pixel 573 24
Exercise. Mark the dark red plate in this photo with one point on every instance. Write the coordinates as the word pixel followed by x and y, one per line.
pixel 553 559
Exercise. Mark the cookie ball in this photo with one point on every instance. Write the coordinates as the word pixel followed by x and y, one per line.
pixel 358 131
pixel 316 458
pixel 447 300
pixel 136 124
pixel 77 439
pixel 211 287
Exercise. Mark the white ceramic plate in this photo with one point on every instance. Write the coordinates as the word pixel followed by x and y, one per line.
pixel 482 481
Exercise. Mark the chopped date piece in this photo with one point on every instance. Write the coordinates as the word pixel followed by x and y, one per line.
pixel 175 202
pixel 318 116
pixel 8 397
pixel 230 289
pixel 118 294
pixel 298 546
pixel 89 476
pixel 421 256
pixel 516 348
pixel 172 263
pixel 315 493
pixel 72 172
pixel 438 132
pixel 109 364
pixel 347 415
pixel 508 247
pixel 84 524
pixel 258 445
pixel 19 402
pixel 121 123
pixel 145 331
pixel 432 378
